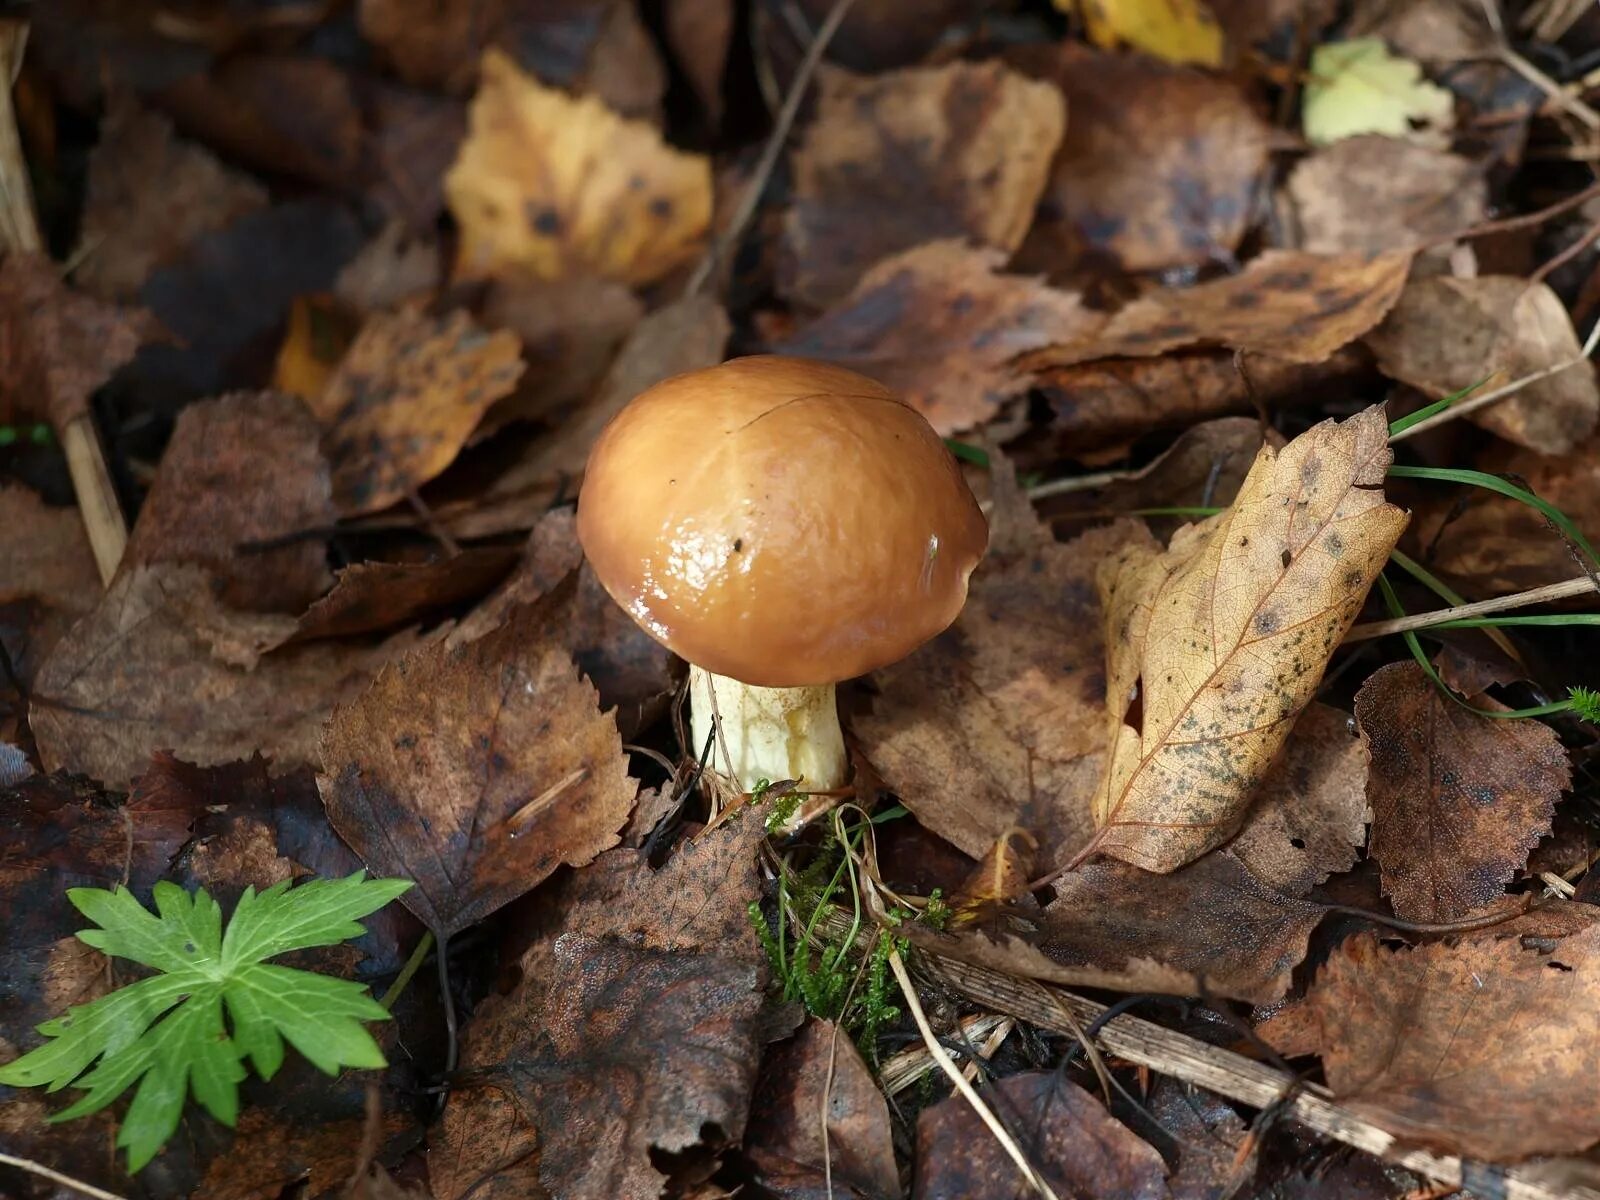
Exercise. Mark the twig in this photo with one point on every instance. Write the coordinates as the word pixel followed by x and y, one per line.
pixel 1523 221
pixel 1556 93
pixel 1539 595
pixel 44 1172
pixel 1474 403
pixel 1557 261
pixel 940 1056
pixel 911 1064
pixel 723 246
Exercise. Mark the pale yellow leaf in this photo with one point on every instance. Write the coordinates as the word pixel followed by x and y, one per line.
pixel 1179 31
pixel 1215 645
pixel 559 186
pixel 1358 87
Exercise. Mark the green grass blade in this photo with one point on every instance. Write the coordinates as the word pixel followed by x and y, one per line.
pixel 1504 487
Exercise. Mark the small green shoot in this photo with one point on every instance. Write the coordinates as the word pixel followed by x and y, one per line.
pixel 967 452
pixel 168 1033
pixel 1396 428
pixel 936 913
pixel 786 801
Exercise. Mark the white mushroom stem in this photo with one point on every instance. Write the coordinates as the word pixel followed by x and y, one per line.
pixel 769 733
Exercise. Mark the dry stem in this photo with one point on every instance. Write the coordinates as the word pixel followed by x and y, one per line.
pixel 1539 595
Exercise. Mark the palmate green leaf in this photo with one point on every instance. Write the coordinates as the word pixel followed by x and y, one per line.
pixel 170 1034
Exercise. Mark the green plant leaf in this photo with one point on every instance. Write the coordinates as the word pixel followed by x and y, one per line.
pixel 170 1034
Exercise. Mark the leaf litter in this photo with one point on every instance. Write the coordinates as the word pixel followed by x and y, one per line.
pixel 409 262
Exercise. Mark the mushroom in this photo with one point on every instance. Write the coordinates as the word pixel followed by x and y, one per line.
pixel 782 524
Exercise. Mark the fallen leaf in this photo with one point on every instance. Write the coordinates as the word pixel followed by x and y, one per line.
pixel 1215 646
pixel 700 33
pixel 877 36
pixel 242 469
pixel 1285 304
pixel 1369 194
pixel 405 399
pixel 139 674
pixel 320 330
pixel 368 597
pixel 939 326
pixel 478 770
pixel 1480 1047
pixel 395 266
pixel 1358 87
pixel 559 187
pixel 1160 167
pixel 906 157
pixel 57 346
pixel 1205 1134
pixel 1458 800
pixel 50 578
pixel 149 195
pixel 818 1118
pixel 1177 31
pixel 1078 1148
pixel 1447 334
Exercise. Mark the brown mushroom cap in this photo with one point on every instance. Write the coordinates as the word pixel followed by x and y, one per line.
pixel 780 521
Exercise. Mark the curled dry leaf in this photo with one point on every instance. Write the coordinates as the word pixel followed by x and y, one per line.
pixel 1458 800
pixel 149 196
pixel 142 673
pixel 1079 1148
pixel 1286 304
pixel 1215 646
pixel 1447 334
pixel 559 187
pixel 939 326
pixel 1160 167
pixel 56 345
pixel 405 399
pixel 1372 193
pixel 373 596
pixel 895 160
pixel 1483 1048
pixel 482 782
pixel 245 468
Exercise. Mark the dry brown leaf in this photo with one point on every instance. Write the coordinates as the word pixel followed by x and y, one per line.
pixel 1372 193
pixel 1215 646
pixel 405 399
pixel 1458 800
pixel 149 195
pixel 1161 166
pixel 1204 1134
pixel 477 770
pixel 142 673
pixel 939 326
pixel 56 345
pixel 898 159
pixel 50 574
pixel 818 1118
pixel 1285 304
pixel 395 266
pixel 373 596
pixel 559 187
pixel 1079 1148
pixel 1483 1048
pixel 700 33
pixel 1447 334
pixel 240 469
pixel 997 722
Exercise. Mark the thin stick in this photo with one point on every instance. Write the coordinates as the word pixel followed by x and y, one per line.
pixel 1524 221
pixel 1556 94
pixel 723 246
pixel 1557 261
pixel 44 1172
pixel 1472 404
pixel 1539 595
pixel 1007 1143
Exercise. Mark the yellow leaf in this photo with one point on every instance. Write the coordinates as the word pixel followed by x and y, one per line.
pixel 1358 87
pixel 319 332
pixel 1179 31
pixel 1215 645
pixel 559 186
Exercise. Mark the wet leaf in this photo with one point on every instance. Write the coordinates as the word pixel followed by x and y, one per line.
pixel 141 673
pixel 559 187
pixel 913 156
pixel 1446 334
pixel 241 470
pixel 405 399
pixel 1079 1148
pixel 1286 305
pixel 1358 87
pixel 1480 1048
pixel 818 1118
pixel 1160 167
pixel 939 326
pixel 1216 645
pixel 1458 800
pixel 476 771
pixel 1372 193
pixel 57 346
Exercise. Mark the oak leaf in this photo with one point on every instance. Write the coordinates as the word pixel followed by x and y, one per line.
pixel 560 186
pixel 1216 645
pixel 1458 799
